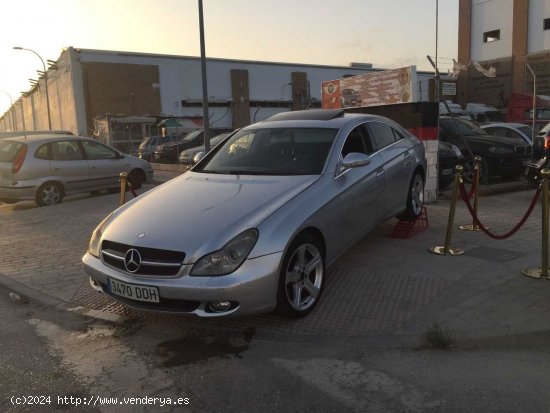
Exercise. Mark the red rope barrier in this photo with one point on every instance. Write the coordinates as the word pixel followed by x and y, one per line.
pixel 131 189
pixel 473 187
pixel 485 230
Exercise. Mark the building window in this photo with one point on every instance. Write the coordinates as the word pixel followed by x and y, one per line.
pixel 491 36
pixel 546 24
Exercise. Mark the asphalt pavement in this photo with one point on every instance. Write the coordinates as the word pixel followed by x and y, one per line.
pixel 384 289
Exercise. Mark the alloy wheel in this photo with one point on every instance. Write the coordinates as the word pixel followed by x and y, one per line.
pixel 417 195
pixel 50 194
pixel 304 277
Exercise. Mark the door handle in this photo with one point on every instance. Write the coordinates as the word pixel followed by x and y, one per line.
pixel 380 172
pixel 56 169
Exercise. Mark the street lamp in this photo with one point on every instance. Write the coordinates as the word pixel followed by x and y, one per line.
pixel 45 80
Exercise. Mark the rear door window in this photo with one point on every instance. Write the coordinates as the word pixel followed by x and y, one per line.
pixel 8 150
pixel 65 151
pixel 95 150
pixel 42 152
pixel 382 134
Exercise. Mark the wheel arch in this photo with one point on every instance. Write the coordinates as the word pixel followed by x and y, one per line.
pixel 315 233
pixel 53 181
pixel 140 172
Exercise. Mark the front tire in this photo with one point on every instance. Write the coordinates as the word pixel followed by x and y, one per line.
pixel 302 277
pixel 415 199
pixel 135 178
pixel 50 193
pixel 469 172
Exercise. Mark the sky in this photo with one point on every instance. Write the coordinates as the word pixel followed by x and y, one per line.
pixel 386 33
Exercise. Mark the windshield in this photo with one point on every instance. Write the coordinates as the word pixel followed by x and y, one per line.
pixel 192 135
pixel 145 142
pixel 274 151
pixel 461 127
pixel 526 130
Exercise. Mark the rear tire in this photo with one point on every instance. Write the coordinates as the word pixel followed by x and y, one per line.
pixel 50 193
pixel 415 199
pixel 302 277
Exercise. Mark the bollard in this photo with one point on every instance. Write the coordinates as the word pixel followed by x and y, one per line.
pixel 446 249
pixel 537 272
pixel 123 183
pixel 474 226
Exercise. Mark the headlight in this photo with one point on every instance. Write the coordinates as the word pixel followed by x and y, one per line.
pixel 95 241
pixel 228 258
pixel 456 151
pixel 500 150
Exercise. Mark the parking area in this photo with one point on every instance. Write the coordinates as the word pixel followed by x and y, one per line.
pixel 382 286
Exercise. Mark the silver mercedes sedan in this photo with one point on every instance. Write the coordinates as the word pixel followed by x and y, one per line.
pixel 253 226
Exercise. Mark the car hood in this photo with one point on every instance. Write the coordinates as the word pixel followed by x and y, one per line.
pixel 171 145
pixel 198 213
pixel 492 139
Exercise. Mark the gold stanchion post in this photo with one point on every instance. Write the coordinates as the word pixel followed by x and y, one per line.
pixel 477 168
pixel 123 183
pixel 447 249
pixel 537 272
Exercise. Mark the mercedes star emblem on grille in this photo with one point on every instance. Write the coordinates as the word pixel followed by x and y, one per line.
pixel 132 260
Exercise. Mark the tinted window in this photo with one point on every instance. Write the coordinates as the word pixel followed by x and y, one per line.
pixel 274 151
pixel 461 127
pixel 8 150
pixel 65 151
pixel 355 142
pixel 95 150
pixel 381 133
pixel 42 152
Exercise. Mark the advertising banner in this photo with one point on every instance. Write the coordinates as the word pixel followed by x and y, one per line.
pixel 372 89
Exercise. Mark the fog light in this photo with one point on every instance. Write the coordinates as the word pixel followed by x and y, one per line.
pixel 220 306
pixel 95 285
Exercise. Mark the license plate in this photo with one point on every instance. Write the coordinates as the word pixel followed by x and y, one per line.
pixel 134 291
pixel 447 171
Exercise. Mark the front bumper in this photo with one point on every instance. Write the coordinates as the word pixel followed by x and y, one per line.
pixel 253 287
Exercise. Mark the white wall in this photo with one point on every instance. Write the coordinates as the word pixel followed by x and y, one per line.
pixel 538 39
pixel 488 16
pixel 180 78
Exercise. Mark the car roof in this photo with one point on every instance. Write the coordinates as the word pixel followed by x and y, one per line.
pixel 13 134
pixel 504 125
pixel 48 138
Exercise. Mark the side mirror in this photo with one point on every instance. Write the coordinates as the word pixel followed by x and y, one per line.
pixel 355 160
pixel 198 157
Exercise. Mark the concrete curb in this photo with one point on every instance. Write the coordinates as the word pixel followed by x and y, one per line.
pixel 30 293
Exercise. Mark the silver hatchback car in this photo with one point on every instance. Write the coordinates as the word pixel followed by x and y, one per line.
pixel 254 224
pixel 45 168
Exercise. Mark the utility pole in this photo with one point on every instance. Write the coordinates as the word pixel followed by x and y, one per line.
pixel 205 116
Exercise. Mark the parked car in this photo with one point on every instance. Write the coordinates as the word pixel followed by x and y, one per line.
pixel 187 156
pixel 148 145
pixel 542 140
pixel 510 130
pixel 46 168
pixel 270 217
pixel 449 157
pixel 500 156
pixel 542 145
pixel 170 152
